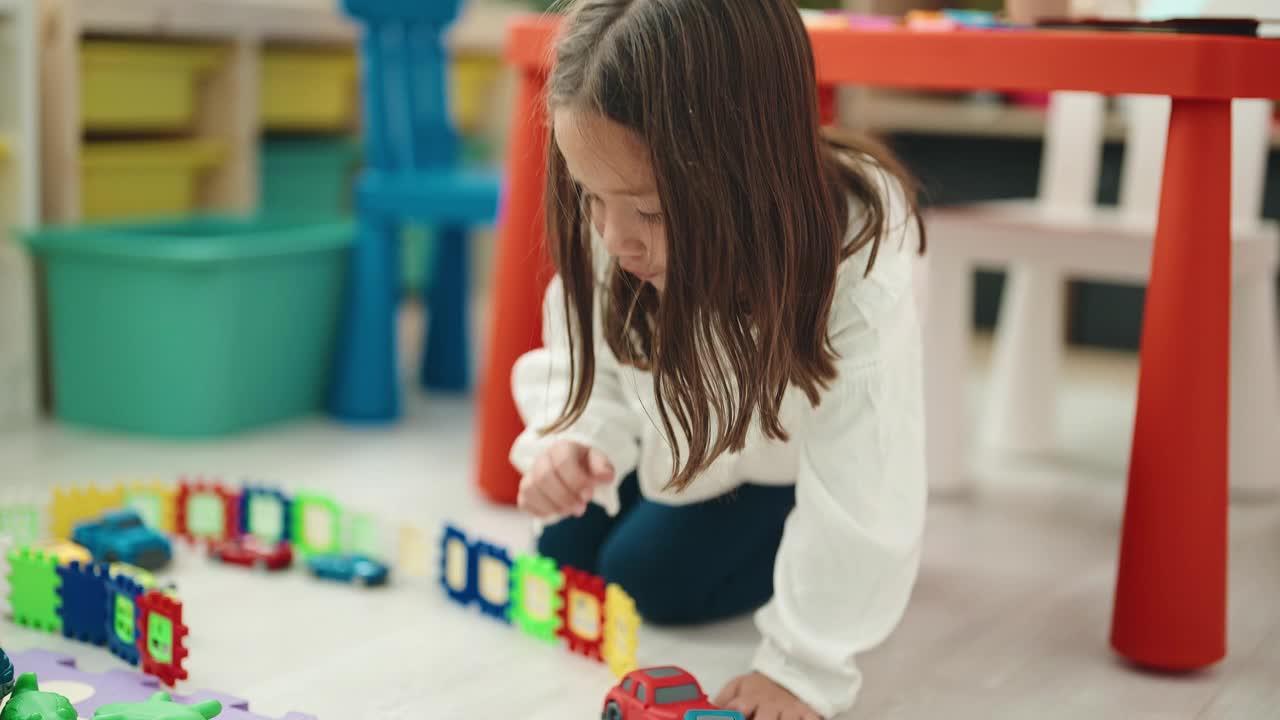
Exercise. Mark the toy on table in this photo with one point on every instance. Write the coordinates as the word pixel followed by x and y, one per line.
pixel 350 568
pixel 121 536
pixel 656 693
pixel 6 676
pixel 159 707
pixel 249 551
pixel 29 703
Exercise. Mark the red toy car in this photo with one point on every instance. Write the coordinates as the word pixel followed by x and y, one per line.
pixel 252 552
pixel 658 693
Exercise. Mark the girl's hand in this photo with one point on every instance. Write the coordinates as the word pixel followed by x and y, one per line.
pixel 563 479
pixel 759 698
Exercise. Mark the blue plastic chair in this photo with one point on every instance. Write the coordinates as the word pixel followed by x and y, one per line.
pixel 412 173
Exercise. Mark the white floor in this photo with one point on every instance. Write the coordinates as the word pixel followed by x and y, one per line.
pixel 1009 620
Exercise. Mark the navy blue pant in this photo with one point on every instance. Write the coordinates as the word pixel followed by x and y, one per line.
pixel 682 564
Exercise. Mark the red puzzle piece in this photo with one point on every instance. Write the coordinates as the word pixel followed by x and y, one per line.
pixel 582 613
pixel 160 636
pixel 230 507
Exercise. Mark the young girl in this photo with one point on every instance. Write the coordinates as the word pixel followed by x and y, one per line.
pixel 732 362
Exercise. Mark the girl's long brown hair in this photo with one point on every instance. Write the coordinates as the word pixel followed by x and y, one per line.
pixel 756 205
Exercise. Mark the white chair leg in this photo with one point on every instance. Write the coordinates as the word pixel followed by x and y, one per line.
pixel 948 328
pixel 1255 391
pixel 1026 361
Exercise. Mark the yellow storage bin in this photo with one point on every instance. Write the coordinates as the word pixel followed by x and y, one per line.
pixel 475 79
pixel 144 179
pixel 308 89
pixel 4 147
pixel 137 86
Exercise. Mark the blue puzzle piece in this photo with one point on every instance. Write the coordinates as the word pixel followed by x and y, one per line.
pixel 480 551
pixel 251 492
pixel 84 601
pixel 467 593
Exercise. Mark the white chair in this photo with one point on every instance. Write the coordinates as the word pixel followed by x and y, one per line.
pixel 1062 234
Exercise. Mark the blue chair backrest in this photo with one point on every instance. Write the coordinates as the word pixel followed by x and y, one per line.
pixel 405 81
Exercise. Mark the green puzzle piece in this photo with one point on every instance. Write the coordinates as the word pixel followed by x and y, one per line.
pixel 317 524
pixel 33 589
pixel 125 619
pixel 21 523
pixel 160 638
pixel 535 596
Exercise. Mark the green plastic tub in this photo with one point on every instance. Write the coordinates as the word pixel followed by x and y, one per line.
pixel 192 328
pixel 308 177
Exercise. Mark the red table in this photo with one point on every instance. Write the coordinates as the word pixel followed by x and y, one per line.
pixel 1170 599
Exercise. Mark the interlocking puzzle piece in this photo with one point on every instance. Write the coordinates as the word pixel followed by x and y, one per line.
pixel 456 575
pixel 20 523
pixel 73 506
pixel 491 570
pixel 535 596
pixel 316 524
pixel 412 554
pixel 264 513
pixel 622 625
pixel 159 707
pixel 33 589
pixel 122 686
pixel 362 534
pixel 206 511
pixel 123 593
pixel 83 594
pixel 28 702
pixel 160 635
pixel 582 612
pixel 57 672
pixel 155 502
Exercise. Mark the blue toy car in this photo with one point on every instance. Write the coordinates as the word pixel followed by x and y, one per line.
pixel 121 536
pixel 713 714
pixel 352 568
pixel 6 676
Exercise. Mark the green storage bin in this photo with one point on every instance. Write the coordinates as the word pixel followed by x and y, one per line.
pixel 192 328
pixel 308 177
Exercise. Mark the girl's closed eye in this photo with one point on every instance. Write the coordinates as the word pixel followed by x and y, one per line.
pixel 652 218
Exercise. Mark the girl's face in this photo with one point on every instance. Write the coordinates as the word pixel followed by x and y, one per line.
pixel 619 193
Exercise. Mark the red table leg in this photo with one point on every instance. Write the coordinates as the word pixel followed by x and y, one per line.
pixel 1171 591
pixel 523 269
